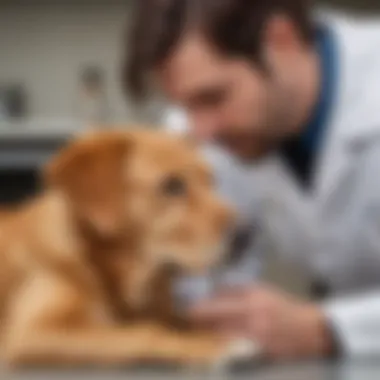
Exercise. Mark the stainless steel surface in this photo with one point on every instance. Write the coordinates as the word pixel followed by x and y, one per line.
pixel 301 371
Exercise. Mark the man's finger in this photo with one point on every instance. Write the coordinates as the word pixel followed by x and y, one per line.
pixel 233 331
pixel 219 309
pixel 261 328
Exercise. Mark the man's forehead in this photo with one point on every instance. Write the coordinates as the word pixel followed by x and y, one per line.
pixel 194 65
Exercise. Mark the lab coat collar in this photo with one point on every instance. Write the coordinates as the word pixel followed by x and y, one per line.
pixel 355 122
pixel 356 119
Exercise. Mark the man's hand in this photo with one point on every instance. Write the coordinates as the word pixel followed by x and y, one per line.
pixel 284 326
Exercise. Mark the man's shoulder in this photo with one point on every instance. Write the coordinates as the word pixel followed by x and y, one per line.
pixel 357 111
pixel 347 20
pixel 356 35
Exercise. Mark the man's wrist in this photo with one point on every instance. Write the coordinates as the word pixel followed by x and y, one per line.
pixel 321 340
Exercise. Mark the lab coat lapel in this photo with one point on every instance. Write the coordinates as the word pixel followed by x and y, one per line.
pixel 334 164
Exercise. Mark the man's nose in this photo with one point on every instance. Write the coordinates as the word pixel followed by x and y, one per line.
pixel 205 129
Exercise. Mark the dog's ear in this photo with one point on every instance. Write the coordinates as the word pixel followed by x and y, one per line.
pixel 92 174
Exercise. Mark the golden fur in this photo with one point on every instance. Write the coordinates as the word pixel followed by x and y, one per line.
pixel 85 265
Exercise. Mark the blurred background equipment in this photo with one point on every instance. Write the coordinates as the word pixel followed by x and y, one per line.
pixel 13 102
pixel 93 103
pixel 59 74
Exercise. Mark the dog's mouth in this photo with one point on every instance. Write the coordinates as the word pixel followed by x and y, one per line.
pixel 198 261
pixel 174 269
pixel 228 251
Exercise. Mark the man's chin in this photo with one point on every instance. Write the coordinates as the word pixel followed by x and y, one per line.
pixel 249 153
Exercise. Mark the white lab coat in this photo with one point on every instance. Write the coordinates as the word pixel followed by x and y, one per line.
pixel 334 231
pixel 235 183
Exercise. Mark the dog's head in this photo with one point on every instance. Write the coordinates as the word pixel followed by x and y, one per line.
pixel 150 187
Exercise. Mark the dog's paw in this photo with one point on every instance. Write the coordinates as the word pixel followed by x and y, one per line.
pixel 220 355
pixel 235 352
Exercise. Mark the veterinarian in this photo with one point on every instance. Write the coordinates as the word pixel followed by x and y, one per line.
pixel 293 100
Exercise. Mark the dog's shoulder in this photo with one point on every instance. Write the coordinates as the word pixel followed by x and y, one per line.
pixel 39 232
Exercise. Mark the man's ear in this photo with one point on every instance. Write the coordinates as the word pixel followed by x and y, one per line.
pixel 91 173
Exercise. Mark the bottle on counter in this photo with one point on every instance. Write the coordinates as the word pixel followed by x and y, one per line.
pixel 92 108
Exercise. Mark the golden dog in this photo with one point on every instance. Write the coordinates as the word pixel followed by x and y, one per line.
pixel 84 266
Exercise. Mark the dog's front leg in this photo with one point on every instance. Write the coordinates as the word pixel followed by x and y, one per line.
pixel 140 343
pixel 60 345
pixel 51 322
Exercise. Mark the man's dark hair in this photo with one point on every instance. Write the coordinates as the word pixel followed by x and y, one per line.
pixel 234 26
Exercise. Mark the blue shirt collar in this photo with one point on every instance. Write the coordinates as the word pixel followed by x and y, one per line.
pixel 313 133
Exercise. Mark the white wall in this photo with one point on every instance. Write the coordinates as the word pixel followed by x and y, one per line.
pixel 45 47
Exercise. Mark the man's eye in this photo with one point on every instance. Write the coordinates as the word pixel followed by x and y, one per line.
pixel 213 98
pixel 210 98
pixel 174 186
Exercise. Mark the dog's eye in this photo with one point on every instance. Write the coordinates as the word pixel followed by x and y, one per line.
pixel 174 186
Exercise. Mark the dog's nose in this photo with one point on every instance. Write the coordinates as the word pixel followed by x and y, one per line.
pixel 241 238
pixel 172 268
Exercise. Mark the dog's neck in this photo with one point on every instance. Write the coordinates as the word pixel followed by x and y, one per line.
pixel 126 244
pixel 78 246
